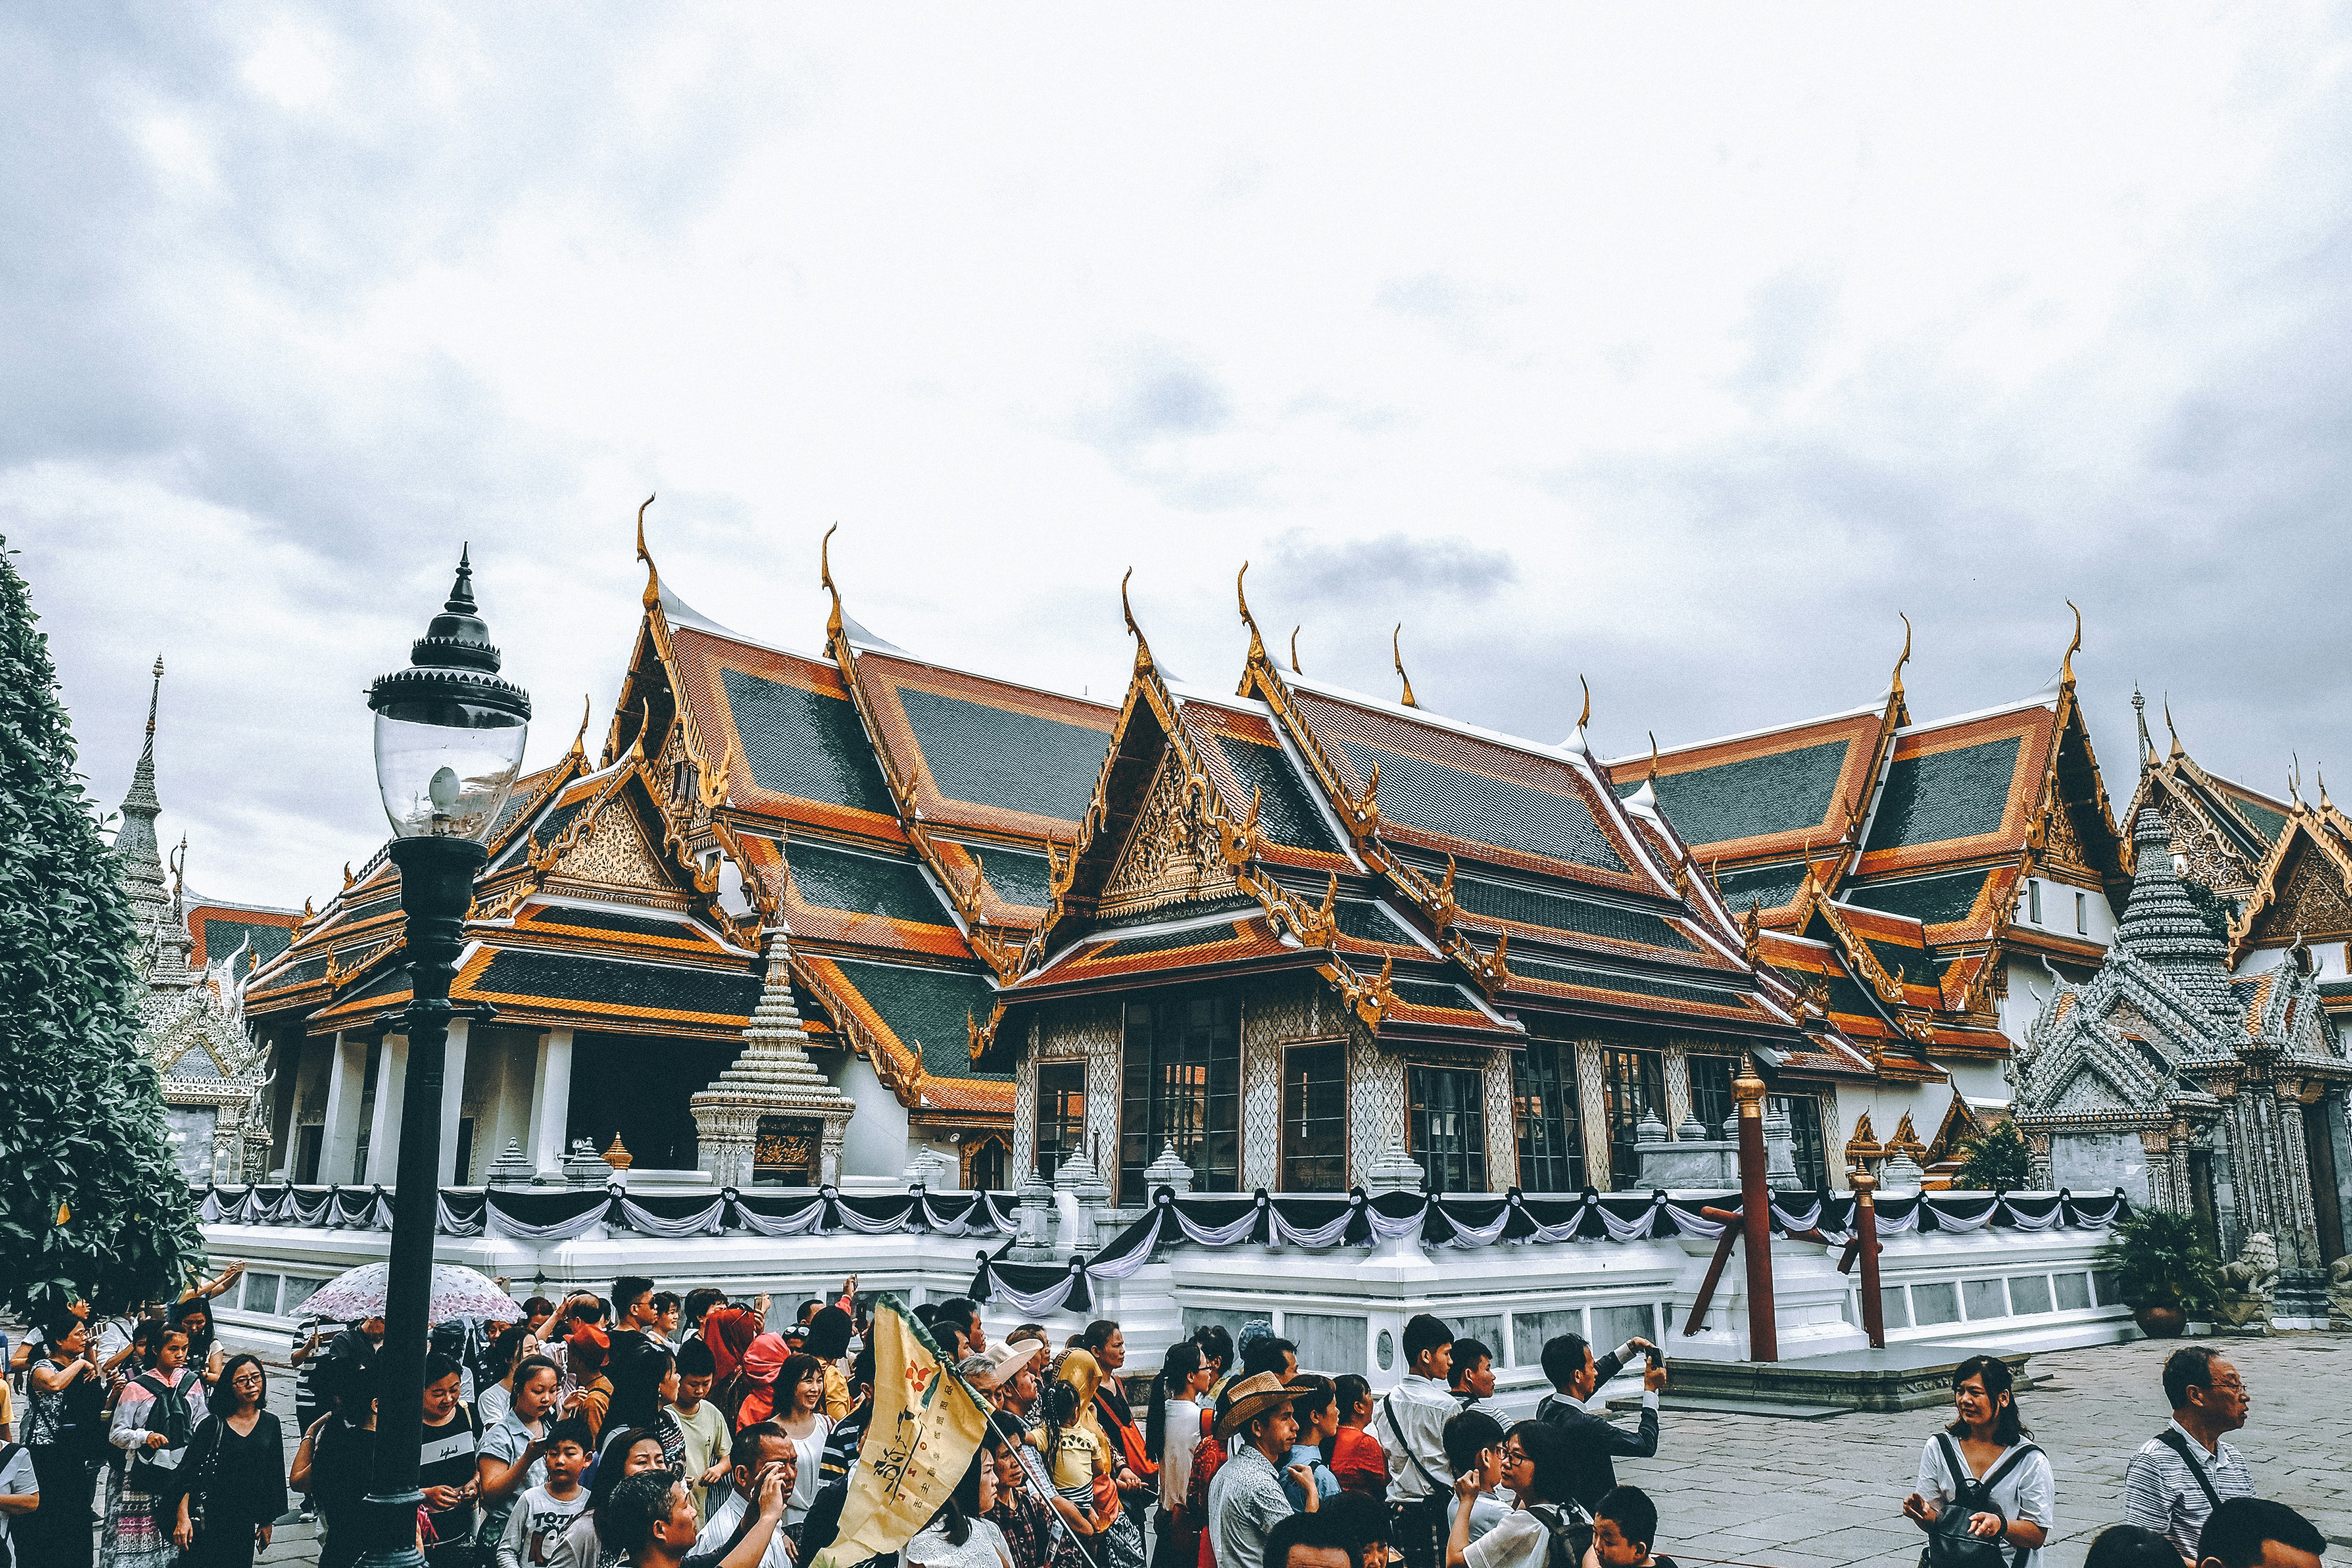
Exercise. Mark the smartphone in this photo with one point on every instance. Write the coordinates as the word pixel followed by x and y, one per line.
pixel 1656 1356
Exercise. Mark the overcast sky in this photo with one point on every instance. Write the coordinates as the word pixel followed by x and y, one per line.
pixel 1679 348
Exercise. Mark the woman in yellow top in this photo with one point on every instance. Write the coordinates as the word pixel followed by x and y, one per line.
pixel 828 1342
pixel 1077 1451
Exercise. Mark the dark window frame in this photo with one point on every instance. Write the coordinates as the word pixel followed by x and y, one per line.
pixel 1057 1096
pixel 1633 1083
pixel 1467 1090
pixel 1323 1051
pixel 1548 1117
pixel 1194 1033
pixel 1712 1102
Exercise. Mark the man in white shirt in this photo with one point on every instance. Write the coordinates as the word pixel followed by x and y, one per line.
pixel 20 1490
pixel 758 1449
pixel 1409 1425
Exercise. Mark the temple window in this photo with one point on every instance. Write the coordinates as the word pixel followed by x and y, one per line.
pixel 1804 1113
pixel 1711 1100
pixel 1182 1086
pixel 1315 1116
pixel 2083 913
pixel 986 1161
pixel 1061 1113
pixel 1543 1105
pixel 1635 1083
pixel 2033 900
pixel 1445 1127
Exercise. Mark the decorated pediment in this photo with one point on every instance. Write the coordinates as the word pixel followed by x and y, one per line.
pixel 2307 896
pixel 2087 1093
pixel 1172 853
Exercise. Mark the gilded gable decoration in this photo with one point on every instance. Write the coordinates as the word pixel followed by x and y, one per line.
pixel 1173 855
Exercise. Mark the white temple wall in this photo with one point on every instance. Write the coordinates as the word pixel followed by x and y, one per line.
pixel 875 1143
pixel 2096 1162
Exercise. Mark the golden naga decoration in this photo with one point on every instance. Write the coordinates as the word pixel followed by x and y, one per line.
pixel 1396 649
pixel 1492 971
pixel 2066 665
pixel 579 739
pixel 1751 926
pixel 1320 924
pixel 1443 907
pixel 348 878
pixel 653 574
pixel 1239 842
pixel 1895 681
pixel 1652 780
pixel 1293 652
pixel 1127 609
pixel 1361 814
pixel 308 914
pixel 1585 717
pixel 824 581
pixel 1257 644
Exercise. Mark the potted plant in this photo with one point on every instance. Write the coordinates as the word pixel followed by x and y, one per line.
pixel 1996 1161
pixel 2162 1270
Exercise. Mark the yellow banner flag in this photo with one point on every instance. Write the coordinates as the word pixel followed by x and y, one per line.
pixel 927 1425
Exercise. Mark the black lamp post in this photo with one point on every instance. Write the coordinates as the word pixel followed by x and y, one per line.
pixel 448 745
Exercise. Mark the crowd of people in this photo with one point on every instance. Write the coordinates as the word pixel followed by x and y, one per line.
pixel 649 1429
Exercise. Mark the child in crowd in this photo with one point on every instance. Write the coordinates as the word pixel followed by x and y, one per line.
pixel 1625 1530
pixel 1316 1407
pixel 703 1423
pixel 1474 1445
pixel 1471 1376
pixel 536 1529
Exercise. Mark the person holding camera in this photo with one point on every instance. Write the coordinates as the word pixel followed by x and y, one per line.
pixel 1595 1443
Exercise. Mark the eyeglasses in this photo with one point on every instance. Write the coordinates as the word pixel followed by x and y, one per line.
pixel 247 1380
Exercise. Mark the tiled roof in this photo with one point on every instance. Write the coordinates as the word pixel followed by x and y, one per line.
pixel 616 990
pixel 1959 790
pixel 1943 899
pixel 1565 912
pixel 862 883
pixel 987 753
pixel 1238 749
pixel 791 722
pixel 1765 887
pixel 220 931
pixel 1765 794
pixel 1161 955
pixel 923 1010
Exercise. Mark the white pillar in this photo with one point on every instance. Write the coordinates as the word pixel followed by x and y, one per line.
pixel 453 1100
pixel 339 1139
pixel 551 1104
pixel 391 1086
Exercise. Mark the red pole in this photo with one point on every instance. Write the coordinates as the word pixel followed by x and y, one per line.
pixel 1866 1233
pixel 1756 1215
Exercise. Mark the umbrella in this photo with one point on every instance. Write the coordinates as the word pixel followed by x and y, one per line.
pixel 458 1293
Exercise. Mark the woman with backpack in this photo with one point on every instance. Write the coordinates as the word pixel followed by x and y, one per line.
pixel 1986 1494
pixel 231 1487
pixel 66 1430
pixel 1543 1528
pixel 156 1416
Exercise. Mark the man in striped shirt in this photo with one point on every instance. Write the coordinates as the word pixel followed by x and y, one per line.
pixel 2184 1472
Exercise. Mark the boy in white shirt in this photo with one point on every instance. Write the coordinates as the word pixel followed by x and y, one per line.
pixel 536 1530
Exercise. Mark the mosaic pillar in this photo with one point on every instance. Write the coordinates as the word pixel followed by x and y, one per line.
pixel 1592 1110
pixel 1375 1104
pixel 1502 1124
pixel 1261 1031
pixel 1106 1052
pixel 1678 1086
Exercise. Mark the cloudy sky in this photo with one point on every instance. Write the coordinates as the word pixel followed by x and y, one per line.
pixel 1680 348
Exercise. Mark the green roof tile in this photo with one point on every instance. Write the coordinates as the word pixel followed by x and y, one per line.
pixel 578 977
pixel 1613 980
pixel 1945 795
pixel 1930 900
pixel 1583 916
pixel 1366 920
pixel 1783 793
pixel 1768 885
pixel 1428 994
pixel 2268 823
pixel 806 744
pixel 1018 876
pixel 865 884
pixel 222 937
pixel 929 1006
pixel 611 919
pixel 1164 942
pixel 1285 814
pixel 1482 809
pixel 1014 762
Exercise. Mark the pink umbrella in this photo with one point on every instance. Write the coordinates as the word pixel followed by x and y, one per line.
pixel 458 1293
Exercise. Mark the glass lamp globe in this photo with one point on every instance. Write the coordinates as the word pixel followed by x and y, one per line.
pixel 449 732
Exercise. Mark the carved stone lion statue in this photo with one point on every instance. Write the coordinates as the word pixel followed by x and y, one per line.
pixel 2246 1283
pixel 2339 1293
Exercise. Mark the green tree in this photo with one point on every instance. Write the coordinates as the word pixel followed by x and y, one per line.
pixel 1996 1161
pixel 2158 1260
pixel 91 1202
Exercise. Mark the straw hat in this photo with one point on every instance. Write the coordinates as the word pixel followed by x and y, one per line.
pixel 999 1363
pixel 1251 1398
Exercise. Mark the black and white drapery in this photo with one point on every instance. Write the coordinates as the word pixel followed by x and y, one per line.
pixel 1467 1220
pixel 568 1212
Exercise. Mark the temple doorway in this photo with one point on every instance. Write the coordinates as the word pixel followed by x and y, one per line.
pixel 637 1088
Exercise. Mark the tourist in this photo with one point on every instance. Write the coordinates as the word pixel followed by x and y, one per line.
pixel 1471 1371
pixel 1264 1350
pixel 512 1454
pixel 1217 1350
pixel 193 1317
pixel 1410 1427
pixel 311 1338
pixel 1355 1456
pixel 1246 1499
pixel 1473 1447
pixel 1020 1515
pixel 20 1493
pixel 765 1459
pixel 959 1535
pixel 1360 1522
pixel 667 1309
pixel 2248 1530
pixel 1625 1531
pixel 651 1514
pixel 2184 1472
pixel 1535 1468
pixel 1005 1374
pixel 1171 1424
pixel 537 1528
pixel 799 1411
pixel 1132 1470
pixel 1985 1450
pixel 1079 1462
pixel 2129 1546
pixel 1306 1540
pixel 154 1417
pixel 341 1464
pixel 828 1342
pixel 1315 1405
pixel 755 1397
pixel 665 1425
pixel 1208 1456
pixel 65 1432
pixel 1595 1444
pixel 506 1352
pixel 579 1311
pixel 628 1451
pixel 234 1479
pixel 535 1315
pixel 591 1398
pixel 1031 1332
pixel 959 1315
pixel 357 1347
pixel 445 1464
pixel 701 1425
pixel 629 1355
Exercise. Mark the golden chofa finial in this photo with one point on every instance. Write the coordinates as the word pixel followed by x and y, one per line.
pixel 1906 657
pixel 824 580
pixel 1241 597
pixel 2319 772
pixel 2295 779
pixel 2066 665
pixel 1293 652
pixel 1585 717
pixel 1143 647
pixel 580 741
pixel 1654 762
pixel 653 574
pixel 1396 649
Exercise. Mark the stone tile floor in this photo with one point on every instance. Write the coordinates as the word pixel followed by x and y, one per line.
pixel 1760 1492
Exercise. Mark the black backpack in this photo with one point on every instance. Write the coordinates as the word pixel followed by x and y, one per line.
pixel 1949 1544
pixel 1568 1533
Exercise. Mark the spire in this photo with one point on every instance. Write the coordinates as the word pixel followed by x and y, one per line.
pixel 773 1077
pixel 2177 750
pixel 2163 929
pixel 2146 746
pixel 652 573
pixel 138 857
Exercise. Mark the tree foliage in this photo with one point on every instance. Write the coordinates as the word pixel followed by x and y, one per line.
pixel 2158 1260
pixel 1996 1161
pixel 91 1202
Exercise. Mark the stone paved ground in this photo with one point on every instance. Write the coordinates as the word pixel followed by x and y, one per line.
pixel 1759 1492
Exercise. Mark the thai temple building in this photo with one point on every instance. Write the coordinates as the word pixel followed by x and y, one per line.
pixel 194 954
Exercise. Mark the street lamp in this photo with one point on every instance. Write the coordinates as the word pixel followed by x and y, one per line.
pixel 448 745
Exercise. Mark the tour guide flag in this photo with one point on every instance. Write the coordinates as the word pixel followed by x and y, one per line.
pixel 927 1425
